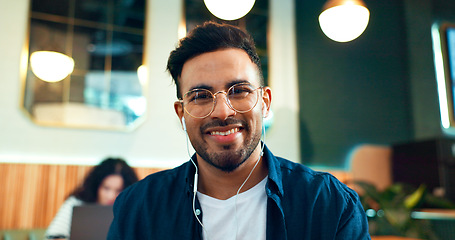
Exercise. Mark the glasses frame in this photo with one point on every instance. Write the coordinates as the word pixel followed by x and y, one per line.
pixel 215 97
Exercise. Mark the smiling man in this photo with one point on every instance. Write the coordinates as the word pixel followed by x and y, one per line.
pixel 233 187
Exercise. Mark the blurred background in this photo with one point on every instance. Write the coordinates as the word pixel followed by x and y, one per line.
pixel 329 98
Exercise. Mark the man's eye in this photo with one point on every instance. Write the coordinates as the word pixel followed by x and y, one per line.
pixel 200 96
pixel 240 91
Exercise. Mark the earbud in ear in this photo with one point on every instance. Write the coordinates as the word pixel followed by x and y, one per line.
pixel 264 110
pixel 184 124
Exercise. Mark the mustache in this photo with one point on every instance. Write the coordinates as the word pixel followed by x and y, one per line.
pixel 223 123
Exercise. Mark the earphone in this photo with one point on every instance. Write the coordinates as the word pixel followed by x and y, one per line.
pixel 196 176
pixel 184 124
pixel 187 147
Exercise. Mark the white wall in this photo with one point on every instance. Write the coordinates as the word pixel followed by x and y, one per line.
pixel 159 141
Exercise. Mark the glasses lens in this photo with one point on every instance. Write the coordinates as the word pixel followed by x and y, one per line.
pixel 242 97
pixel 198 102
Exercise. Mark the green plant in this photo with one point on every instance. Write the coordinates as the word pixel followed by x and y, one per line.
pixel 389 211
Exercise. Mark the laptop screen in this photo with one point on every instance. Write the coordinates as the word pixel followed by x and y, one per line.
pixel 91 222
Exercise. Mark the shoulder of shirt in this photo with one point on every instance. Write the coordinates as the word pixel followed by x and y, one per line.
pixel 298 173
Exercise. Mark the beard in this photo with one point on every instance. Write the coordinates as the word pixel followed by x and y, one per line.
pixel 229 159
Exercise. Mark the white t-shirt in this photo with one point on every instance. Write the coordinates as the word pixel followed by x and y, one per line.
pixel 221 221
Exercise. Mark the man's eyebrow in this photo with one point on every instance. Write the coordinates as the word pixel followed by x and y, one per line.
pixel 232 83
pixel 210 88
pixel 202 86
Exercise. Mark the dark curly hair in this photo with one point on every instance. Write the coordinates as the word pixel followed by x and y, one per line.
pixel 88 191
pixel 210 37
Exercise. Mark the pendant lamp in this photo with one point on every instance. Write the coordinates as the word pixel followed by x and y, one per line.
pixel 51 66
pixel 229 9
pixel 344 20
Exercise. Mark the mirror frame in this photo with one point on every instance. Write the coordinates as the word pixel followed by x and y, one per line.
pixel 28 88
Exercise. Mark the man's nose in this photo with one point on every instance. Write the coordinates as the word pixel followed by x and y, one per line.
pixel 222 110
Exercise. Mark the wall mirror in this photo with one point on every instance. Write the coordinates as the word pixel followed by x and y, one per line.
pixel 85 64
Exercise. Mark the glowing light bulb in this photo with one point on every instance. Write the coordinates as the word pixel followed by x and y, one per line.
pixel 229 9
pixel 51 66
pixel 344 23
pixel 142 74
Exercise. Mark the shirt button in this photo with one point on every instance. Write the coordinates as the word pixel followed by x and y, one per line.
pixel 198 212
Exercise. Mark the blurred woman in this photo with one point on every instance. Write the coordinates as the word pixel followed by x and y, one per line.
pixel 101 186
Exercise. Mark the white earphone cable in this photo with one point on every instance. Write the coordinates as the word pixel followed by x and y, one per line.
pixel 248 177
pixel 196 176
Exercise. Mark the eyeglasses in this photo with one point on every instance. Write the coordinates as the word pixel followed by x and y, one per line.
pixel 199 103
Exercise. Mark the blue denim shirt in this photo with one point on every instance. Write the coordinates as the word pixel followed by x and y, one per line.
pixel 301 204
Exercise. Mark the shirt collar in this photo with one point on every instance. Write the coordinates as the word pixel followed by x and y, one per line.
pixel 275 176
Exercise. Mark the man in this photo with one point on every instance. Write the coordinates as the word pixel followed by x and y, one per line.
pixel 233 187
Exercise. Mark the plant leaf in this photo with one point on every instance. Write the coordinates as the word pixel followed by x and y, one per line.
pixel 412 200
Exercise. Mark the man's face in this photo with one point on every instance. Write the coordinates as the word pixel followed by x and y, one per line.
pixel 225 138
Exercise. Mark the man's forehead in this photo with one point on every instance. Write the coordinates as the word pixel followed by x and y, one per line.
pixel 219 69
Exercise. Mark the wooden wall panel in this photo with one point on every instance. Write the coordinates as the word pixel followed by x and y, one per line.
pixel 31 194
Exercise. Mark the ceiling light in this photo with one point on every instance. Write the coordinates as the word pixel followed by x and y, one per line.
pixel 229 9
pixel 51 66
pixel 344 20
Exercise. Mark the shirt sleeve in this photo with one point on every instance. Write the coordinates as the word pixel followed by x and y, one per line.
pixel 61 224
pixel 353 222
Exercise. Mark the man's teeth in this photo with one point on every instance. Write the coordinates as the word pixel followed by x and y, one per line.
pixel 234 130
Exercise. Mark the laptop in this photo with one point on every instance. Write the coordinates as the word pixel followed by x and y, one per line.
pixel 91 222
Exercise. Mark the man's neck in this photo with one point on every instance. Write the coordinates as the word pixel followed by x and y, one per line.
pixel 223 185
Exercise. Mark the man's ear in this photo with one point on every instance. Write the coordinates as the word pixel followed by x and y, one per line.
pixel 266 101
pixel 178 110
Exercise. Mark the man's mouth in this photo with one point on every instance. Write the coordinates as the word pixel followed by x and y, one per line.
pixel 225 133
